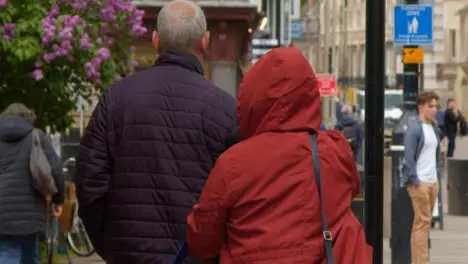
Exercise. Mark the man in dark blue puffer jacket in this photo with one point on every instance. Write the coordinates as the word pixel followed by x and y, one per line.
pixel 150 144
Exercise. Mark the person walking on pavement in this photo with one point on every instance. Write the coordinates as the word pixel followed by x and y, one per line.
pixel 351 129
pixel 440 119
pixel 261 202
pixel 22 207
pixel 451 120
pixel 151 143
pixel 422 155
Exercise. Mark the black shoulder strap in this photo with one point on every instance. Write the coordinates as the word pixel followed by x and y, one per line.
pixel 327 235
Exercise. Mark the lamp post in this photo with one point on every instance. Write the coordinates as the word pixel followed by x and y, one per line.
pixel 374 147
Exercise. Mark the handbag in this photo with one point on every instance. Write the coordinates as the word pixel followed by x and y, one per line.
pixel 327 235
pixel 41 172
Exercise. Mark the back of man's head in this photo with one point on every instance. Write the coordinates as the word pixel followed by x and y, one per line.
pixel 181 26
pixel 451 103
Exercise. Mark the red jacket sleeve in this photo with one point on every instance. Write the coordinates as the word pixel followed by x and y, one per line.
pixel 207 223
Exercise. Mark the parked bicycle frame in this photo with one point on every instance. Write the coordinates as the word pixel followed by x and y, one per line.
pixel 77 239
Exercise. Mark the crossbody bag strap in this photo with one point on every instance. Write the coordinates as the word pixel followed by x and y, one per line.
pixel 327 235
pixel 181 254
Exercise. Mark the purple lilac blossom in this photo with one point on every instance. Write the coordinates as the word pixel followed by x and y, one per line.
pixel 9 31
pixel 104 53
pixel 3 3
pixel 38 63
pixel 62 35
pixel 37 75
pixel 84 42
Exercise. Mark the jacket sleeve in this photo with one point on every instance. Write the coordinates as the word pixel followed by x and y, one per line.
pixel 410 142
pixel 207 222
pixel 56 167
pixel 93 171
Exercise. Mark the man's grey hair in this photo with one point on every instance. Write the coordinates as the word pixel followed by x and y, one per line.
pixel 181 25
pixel 347 109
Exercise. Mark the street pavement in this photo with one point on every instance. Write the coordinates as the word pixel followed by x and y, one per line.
pixel 448 246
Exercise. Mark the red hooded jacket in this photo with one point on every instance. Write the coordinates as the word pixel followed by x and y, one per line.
pixel 260 204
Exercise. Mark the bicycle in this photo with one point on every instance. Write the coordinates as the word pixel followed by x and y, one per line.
pixel 52 235
pixel 77 238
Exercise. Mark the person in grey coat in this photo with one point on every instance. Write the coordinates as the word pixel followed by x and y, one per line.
pixel 22 207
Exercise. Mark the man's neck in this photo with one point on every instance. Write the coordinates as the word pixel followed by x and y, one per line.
pixel 197 55
pixel 424 120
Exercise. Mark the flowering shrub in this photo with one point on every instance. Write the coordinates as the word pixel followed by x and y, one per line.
pixel 56 51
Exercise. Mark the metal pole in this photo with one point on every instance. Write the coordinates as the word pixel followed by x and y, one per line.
pixel 277 14
pixel 332 62
pixel 374 148
pixel 326 59
pixel 421 77
pixel 334 44
pixel 326 35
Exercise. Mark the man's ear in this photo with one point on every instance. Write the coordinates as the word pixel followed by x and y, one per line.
pixel 156 42
pixel 205 41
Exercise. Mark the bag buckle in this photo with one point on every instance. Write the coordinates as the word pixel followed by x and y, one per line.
pixel 327 235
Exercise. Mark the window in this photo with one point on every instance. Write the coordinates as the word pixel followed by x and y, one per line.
pixel 354 62
pixel 355 15
pixel 295 9
pixel 393 100
pixel 453 43
pixel 363 14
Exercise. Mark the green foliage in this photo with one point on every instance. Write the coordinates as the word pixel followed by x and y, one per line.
pixel 66 78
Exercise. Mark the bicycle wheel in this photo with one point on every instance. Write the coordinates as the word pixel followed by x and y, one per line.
pixel 78 240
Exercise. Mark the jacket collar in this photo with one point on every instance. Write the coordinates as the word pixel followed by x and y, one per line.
pixel 434 126
pixel 179 58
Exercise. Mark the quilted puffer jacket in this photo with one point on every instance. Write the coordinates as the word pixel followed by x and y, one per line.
pixel 22 207
pixel 145 156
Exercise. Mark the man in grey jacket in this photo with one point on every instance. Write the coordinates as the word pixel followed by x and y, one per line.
pixel 422 171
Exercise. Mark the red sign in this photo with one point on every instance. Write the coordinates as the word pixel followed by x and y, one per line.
pixel 327 84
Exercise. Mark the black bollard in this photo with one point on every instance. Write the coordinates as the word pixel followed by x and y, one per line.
pixel 402 209
pixel 374 147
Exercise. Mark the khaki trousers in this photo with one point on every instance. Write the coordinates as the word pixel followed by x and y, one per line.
pixel 423 198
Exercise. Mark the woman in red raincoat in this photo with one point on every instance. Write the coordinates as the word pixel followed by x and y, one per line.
pixel 260 203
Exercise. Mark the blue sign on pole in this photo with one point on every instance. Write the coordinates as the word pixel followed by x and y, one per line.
pixel 413 25
pixel 296 30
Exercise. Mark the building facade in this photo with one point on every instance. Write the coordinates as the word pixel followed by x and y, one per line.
pixel 335 36
pixel 454 69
